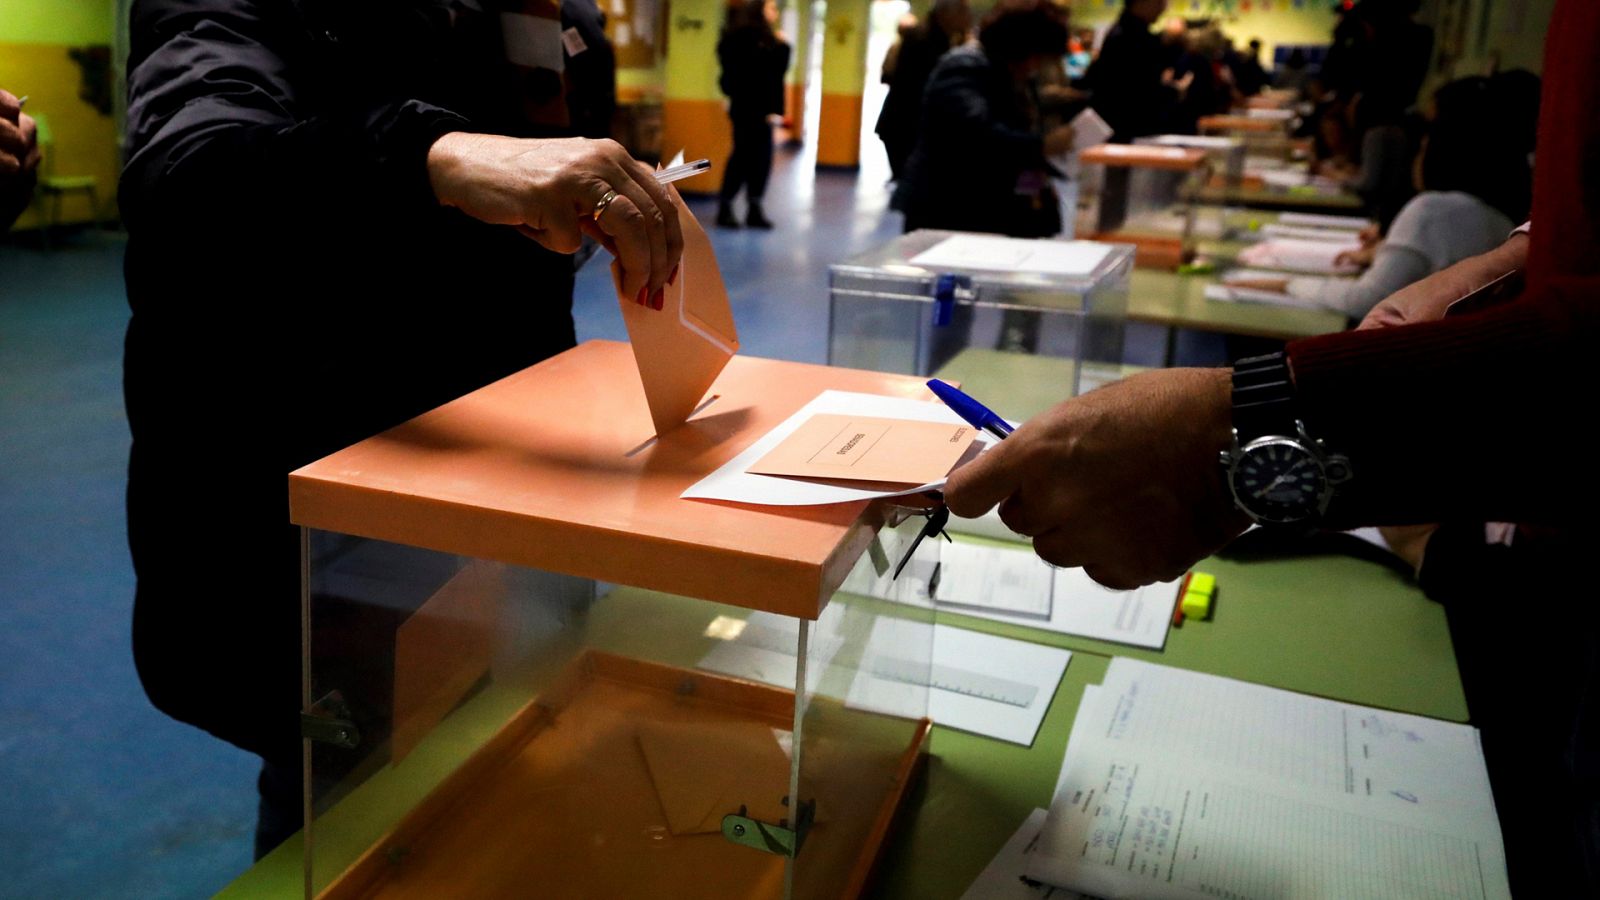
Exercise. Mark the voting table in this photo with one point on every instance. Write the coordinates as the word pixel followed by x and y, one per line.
pixel 621 660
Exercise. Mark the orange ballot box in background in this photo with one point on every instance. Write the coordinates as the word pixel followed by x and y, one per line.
pixel 1143 195
pixel 507 606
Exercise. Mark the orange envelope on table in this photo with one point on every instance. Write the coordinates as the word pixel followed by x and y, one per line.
pixel 866 448
pixel 682 347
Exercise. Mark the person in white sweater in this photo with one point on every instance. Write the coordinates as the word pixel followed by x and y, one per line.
pixel 1475 185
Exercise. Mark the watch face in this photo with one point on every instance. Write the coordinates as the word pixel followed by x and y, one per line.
pixel 1277 480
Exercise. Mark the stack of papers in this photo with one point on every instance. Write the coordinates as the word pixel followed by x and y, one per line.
pixel 1182 785
pixel 1323 220
pixel 1312 257
pixel 1239 286
pixel 1306 233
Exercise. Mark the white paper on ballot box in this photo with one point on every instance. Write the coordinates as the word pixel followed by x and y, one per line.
pixel 732 483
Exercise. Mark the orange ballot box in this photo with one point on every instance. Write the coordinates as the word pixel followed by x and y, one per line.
pixel 531 668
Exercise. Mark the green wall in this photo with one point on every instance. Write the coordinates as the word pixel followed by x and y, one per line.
pixel 73 22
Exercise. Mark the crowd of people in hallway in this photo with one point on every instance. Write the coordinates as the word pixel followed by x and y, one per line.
pixel 974 123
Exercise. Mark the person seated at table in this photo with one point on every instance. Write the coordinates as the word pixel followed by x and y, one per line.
pixel 980 159
pixel 1475 185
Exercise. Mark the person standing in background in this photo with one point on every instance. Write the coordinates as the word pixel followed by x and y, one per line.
pixel 19 159
pixel 754 57
pixel 1248 75
pixel 1130 91
pixel 947 26
pixel 980 160
pixel 591 69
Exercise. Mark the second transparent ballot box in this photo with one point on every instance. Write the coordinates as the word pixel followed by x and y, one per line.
pixel 532 669
pixel 1143 195
pixel 1023 323
pixel 1226 156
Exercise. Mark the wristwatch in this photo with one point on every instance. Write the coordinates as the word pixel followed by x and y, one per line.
pixel 1277 472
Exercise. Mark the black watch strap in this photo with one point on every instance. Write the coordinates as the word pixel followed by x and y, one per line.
pixel 1263 397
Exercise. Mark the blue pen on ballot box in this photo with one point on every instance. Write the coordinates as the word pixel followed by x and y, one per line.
pixel 974 413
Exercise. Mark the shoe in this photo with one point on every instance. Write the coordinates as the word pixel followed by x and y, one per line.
pixel 726 218
pixel 755 218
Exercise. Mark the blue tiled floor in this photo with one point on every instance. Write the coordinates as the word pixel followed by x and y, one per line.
pixel 101 796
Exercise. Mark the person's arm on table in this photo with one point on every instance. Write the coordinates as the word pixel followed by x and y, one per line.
pixel 1392 269
pixel 1427 300
pixel 1439 420
pixel 221 136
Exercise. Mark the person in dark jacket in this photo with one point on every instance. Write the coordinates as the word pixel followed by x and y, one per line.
pixel 1131 91
pixel 591 69
pixel 946 26
pixel 979 163
pixel 754 58
pixel 317 201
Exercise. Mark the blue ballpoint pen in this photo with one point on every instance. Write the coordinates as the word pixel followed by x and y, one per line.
pixel 975 413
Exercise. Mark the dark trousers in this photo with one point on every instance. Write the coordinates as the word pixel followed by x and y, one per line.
pixel 279 813
pixel 751 161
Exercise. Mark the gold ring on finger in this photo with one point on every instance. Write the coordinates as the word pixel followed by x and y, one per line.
pixel 600 208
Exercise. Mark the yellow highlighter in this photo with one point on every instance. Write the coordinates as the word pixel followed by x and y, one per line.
pixel 1197 595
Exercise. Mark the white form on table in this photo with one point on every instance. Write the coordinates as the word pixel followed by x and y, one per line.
pixel 1181 785
pixel 989 252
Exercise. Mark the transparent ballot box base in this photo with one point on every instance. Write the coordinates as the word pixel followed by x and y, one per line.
pixel 480 729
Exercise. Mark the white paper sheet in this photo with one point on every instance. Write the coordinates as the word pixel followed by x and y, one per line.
pixel 1228 293
pixel 1002 878
pixel 1300 255
pixel 1089 130
pixel 732 483
pixel 1306 233
pixel 981 683
pixel 1180 785
pixel 1323 220
pixel 1078 605
pixel 1005 254
pixel 994 578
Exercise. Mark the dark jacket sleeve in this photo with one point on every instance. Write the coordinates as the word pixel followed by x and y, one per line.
pixel 1470 418
pixel 957 103
pixel 225 120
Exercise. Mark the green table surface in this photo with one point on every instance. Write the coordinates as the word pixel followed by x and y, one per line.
pixel 1179 301
pixel 1328 625
pixel 1284 200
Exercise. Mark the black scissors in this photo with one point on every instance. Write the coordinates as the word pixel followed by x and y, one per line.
pixel 938 517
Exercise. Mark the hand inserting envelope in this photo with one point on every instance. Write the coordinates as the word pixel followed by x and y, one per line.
pixel 681 348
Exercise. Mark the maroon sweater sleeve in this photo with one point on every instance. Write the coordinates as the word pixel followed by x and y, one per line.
pixel 1481 417
pixel 1486 417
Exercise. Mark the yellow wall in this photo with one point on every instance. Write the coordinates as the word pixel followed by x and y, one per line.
pixel 75 22
pixel 844 73
pixel 35 36
pixel 694 112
